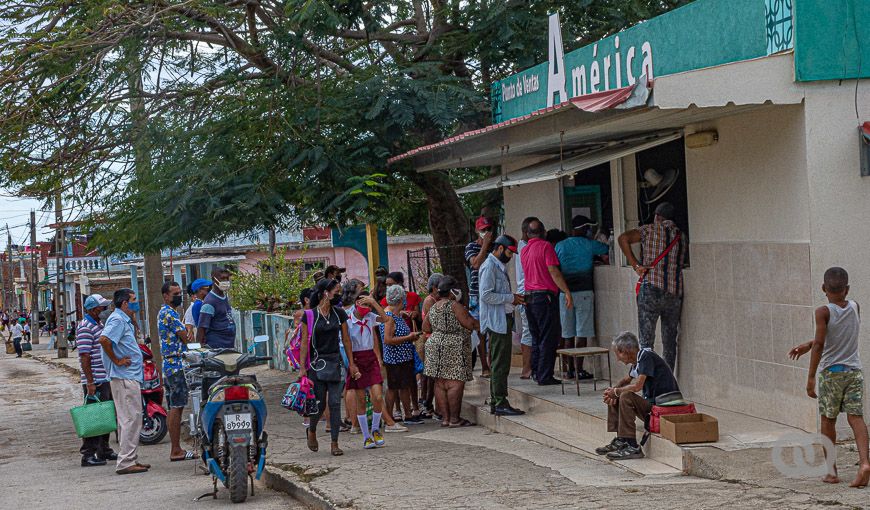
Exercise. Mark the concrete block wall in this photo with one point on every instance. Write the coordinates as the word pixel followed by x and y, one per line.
pixel 736 329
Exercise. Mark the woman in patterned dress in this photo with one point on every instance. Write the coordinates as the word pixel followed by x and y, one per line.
pixel 448 351
pixel 399 354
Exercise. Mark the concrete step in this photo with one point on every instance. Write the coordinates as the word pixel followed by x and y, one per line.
pixel 555 425
pixel 527 428
pixel 578 424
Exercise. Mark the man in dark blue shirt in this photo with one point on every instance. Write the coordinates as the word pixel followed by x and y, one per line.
pixel 649 374
pixel 216 327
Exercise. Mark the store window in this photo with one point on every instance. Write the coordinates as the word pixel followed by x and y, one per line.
pixel 590 195
pixel 661 177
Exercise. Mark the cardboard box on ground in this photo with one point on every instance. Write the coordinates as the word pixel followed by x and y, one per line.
pixel 690 428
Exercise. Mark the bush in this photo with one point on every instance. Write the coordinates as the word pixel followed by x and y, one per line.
pixel 268 290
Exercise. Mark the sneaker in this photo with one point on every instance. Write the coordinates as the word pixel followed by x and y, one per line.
pixel 413 420
pixel 356 430
pixel 369 443
pixel 615 445
pixel 396 427
pixel 378 437
pixel 627 452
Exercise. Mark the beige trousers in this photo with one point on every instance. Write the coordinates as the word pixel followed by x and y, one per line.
pixel 127 395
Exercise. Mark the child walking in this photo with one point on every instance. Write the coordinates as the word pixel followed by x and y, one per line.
pixel 835 358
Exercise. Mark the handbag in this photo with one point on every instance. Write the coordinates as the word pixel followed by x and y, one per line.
pixel 25 346
pixel 94 419
pixel 658 259
pixel 10 348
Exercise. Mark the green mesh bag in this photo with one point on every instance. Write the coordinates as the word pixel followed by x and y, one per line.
pixel 94 419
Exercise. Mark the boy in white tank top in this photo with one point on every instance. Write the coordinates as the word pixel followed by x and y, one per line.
pixel 835 358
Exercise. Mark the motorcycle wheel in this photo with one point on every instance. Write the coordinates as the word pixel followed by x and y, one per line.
pixel 153 429
pixel 238 474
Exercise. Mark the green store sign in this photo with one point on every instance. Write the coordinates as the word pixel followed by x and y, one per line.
pixel 705 33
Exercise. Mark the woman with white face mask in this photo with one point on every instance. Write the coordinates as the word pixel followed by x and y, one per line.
pixel 448 351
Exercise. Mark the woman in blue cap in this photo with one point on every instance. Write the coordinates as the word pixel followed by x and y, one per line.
pixel 198 289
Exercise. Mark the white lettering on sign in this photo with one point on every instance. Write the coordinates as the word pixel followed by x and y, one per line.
pixel 556 75
pixel 600 69
pixel 522 85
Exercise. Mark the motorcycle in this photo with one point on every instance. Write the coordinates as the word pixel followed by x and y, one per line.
pixel 154 425
pixel 228 417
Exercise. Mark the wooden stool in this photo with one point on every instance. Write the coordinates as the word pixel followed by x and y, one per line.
pixel 583 352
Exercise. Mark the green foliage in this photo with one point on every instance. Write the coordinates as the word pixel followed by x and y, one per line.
pixel 260 114
pixel 274 287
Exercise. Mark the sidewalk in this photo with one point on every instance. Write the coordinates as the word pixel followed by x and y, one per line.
pixel 431 467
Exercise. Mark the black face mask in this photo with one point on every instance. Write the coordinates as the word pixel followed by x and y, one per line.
pixel 176 301
pixel 335 301
pixel 504 257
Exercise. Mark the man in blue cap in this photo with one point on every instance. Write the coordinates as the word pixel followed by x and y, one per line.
pixel 95 381
pixel 197 290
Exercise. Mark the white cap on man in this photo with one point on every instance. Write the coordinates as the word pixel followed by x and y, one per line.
pixel 95 300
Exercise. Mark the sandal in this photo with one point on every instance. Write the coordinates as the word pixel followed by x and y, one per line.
pixel 336 451
pixel 312 440
pixel 188 455
pixel 461 423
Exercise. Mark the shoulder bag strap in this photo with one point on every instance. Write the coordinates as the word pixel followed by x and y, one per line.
pixel 658 259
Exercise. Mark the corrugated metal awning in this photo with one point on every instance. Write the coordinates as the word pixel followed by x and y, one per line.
pixel 555 169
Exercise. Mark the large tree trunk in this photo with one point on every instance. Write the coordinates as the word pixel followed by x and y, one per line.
pixel 447 221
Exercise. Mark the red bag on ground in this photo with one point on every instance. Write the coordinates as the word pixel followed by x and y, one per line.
pixel 659 411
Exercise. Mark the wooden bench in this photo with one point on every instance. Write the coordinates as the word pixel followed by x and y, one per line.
pixel 584 352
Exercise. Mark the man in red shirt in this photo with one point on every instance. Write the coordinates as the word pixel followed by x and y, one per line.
pixel 543 281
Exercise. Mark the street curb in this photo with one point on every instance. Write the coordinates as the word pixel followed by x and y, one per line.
pixel 53 363
pixel 289 483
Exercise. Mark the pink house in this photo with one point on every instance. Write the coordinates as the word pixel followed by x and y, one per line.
pixel 317 251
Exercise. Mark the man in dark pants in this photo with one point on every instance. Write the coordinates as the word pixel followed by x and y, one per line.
pixel 543 281
pixel 95 383
pixel 496 320
pixel 661 292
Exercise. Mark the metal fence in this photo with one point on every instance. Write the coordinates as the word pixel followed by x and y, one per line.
pixel 422 263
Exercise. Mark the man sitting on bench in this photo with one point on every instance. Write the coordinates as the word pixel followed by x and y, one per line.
pixel 650 373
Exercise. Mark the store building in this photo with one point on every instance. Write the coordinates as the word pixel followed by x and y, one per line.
pixel 753 116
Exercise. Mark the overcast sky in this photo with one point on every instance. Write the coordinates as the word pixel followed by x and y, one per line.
pixel 15 212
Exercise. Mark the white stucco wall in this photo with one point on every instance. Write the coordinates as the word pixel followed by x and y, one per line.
pixel 752 184
pixel 541 199
pixel 839 198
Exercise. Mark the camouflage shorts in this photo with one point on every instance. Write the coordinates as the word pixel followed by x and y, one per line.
pixel 841 392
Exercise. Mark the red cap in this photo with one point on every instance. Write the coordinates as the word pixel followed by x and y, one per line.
pixel 483 223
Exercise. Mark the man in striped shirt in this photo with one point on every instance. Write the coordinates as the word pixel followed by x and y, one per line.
pixel 95 382
pixel 661 292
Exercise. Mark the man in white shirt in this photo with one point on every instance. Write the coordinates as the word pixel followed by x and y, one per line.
pixel 15 333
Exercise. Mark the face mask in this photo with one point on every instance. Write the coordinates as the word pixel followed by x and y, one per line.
pixel 481 233
pixel 176 301
pixel 105 315
pixel 223 286
pixel 363 310
pixel 134 307
pixel 335 300
pixel 504 257
pixel 457 294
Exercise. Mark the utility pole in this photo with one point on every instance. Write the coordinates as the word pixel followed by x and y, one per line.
pixel 60 295
pixel 34 285
pixel 11 272
pixel 272 244
pixel 142 160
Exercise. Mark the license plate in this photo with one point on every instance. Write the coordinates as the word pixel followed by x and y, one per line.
pixel 241 421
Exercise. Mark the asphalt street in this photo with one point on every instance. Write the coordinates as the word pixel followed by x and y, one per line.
pixel 40 464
